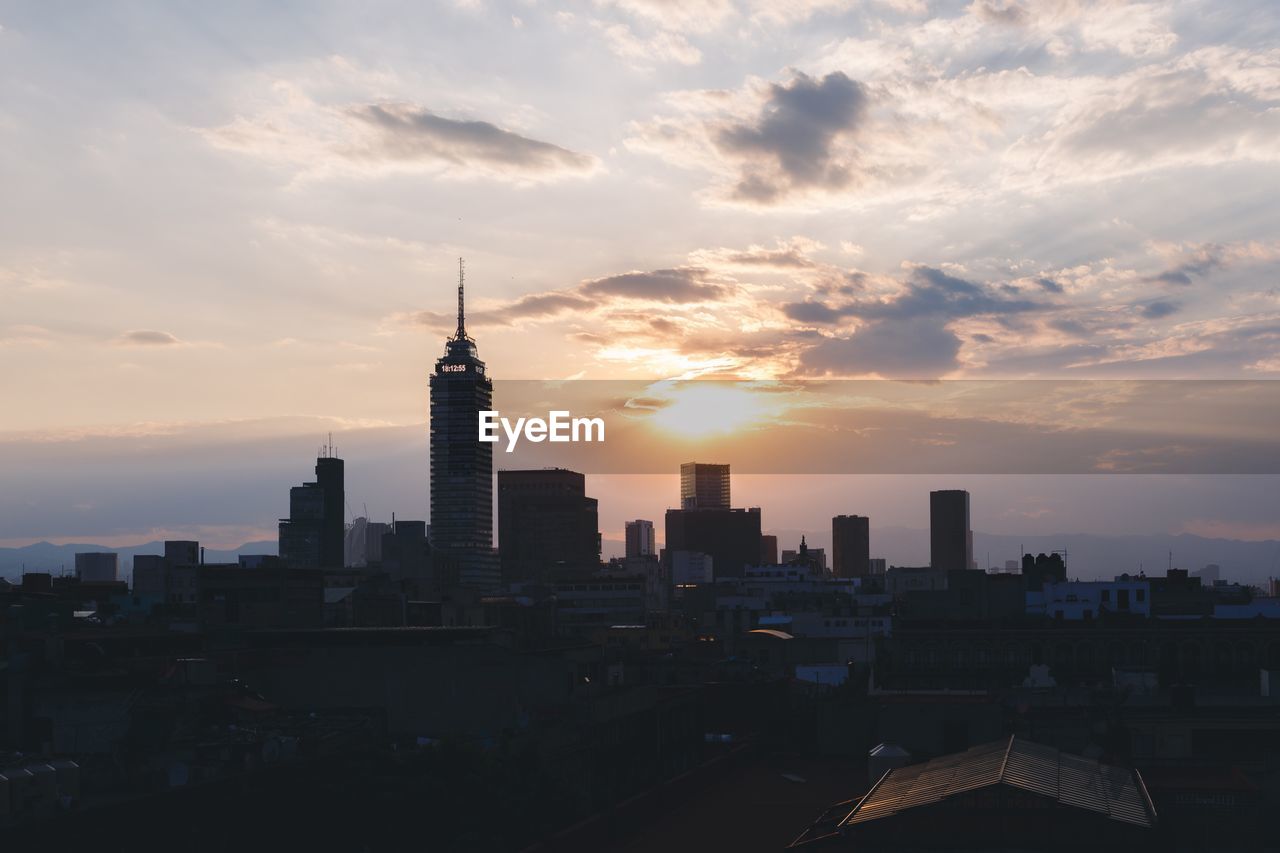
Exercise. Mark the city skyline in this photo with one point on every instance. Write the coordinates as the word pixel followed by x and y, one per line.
pixel 1054 239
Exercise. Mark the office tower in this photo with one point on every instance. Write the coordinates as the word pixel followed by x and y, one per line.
pixel 950 539
pixel 641 541
pixel 312 536
pixel 96 566
pixel 547 526
pixel 461 464
pixel 876 566
pixel 730 537
pixel 769 550
pixel 850 546
pixel 704 486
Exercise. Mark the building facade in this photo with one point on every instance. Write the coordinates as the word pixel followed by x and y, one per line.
pixel 704 486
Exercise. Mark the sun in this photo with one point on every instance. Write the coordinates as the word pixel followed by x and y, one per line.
pixel 702 409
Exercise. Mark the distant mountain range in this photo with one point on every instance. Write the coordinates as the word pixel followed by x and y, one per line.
pixel 59 559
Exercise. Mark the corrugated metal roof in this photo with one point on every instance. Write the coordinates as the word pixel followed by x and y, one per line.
pixel 1069 779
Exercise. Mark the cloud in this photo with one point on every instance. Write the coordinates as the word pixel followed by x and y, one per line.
pixel 684 284
pixel 312 125
pixel 793 143
pixel 919 348
pixel 906 333
pixel 1160 309
pixel 604 296
pixel 147 338
pixel 408 132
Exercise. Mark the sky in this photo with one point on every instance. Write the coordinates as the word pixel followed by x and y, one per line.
pixel 227 230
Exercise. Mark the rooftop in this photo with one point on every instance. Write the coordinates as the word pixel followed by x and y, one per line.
pixel 1071 780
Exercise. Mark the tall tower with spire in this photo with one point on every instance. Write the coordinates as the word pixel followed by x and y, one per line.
pixel 461 464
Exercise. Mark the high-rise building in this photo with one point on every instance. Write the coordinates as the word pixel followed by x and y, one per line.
pixel 312 536
pixel 730 537
pixel 461 464
pixel 850 546
pixel 704 486
pixel 641 541
pixel 96 566
pixel 768 550
pixel 950 537
pixel 547 526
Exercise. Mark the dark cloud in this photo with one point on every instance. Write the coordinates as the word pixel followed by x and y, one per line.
pixel 531 307
pixel 1160 308
pixel 791 144
pixel 906 335
pixel 680 285
pixel 810 311
pixel 1000 13
pixel 1049 284
pixel 147 338
pixel 406 132
pixel 1069 327
pixel 918 348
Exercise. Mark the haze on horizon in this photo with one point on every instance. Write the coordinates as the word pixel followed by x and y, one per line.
pixel 231 229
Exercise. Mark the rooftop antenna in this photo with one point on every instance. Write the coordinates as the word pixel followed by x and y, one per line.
pixel 462 326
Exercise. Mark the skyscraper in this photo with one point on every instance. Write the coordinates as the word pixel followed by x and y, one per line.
pixel 704 486
pixel 950 539
pixel 850 546
pixel 461 464
pixel 312 536
pixel 547 526
pixel 640 539
pixel 731 537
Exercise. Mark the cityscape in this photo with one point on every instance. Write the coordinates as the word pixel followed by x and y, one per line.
pixel 367 663
pixel 530 426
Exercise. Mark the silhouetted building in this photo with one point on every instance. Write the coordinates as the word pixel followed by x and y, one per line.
pixel 850 546
pixel 812 560
pixel 950 538
pixel 731 537
pixel 461 464
pixel 641 541
pixel 704 486
pixel 265 597
pixel 181 552
pixel 547 526
pixel 1042 569
pixel 768 550
pixel 96 566
pixel 312 535
pixel 148 576
pixel 406 553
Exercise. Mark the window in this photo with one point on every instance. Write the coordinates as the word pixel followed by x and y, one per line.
pixel 1142 595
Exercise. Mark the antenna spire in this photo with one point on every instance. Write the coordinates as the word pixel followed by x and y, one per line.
pixel 462 327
